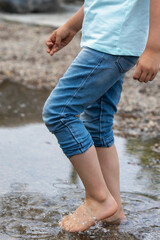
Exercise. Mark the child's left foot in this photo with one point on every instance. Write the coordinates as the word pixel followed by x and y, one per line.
pixel 117 218
pixel 88 214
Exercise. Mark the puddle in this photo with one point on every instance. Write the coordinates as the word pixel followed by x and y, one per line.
pixel 20 105
pixel 38 184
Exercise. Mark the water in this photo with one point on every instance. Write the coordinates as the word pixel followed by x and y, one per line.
pixel 38 184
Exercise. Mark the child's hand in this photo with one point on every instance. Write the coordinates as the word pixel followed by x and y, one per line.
pixel 147 66
pixel 59 39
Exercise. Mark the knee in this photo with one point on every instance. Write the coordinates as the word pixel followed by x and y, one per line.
pixel 50 116
pixel 45 113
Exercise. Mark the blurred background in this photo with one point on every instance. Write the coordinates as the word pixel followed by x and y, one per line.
pixel 38 184
pixel 34 6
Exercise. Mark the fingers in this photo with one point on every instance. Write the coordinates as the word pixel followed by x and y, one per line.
pixel 148 77
pixel 58 40
pixel 53 50
pixel 53 43
pixel 56 46
pixel 142 77
pixel 137 73
pixel 49 44
pixel 153 76
pixel 144 73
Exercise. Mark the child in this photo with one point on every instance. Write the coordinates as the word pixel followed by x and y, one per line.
pixel 116 35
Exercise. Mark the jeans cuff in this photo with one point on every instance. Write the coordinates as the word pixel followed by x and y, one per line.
pixel 104 142
pixel 82 148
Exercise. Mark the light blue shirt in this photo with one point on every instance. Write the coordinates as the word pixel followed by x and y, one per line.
pixel 118 27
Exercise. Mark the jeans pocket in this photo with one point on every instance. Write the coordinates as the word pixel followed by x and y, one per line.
pixel 125 63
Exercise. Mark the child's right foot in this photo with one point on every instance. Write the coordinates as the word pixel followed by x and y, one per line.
pixel 85 215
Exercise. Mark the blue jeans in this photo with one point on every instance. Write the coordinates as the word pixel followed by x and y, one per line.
pixel 91 88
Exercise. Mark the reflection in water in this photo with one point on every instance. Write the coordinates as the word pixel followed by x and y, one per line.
pixel 38 184
pixel 148 160
pixel 145 151
pixel 73 176
pixel 20 105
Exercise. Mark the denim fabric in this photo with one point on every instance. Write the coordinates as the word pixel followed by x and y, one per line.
pixel 91 87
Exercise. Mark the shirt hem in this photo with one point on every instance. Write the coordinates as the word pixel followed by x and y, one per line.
pixel 113 51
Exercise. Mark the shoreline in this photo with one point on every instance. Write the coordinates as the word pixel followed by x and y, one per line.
pixel 24 60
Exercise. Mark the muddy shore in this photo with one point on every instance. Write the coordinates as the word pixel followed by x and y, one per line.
pixel 23 59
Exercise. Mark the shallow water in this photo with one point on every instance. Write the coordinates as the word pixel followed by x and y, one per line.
pixel 38 184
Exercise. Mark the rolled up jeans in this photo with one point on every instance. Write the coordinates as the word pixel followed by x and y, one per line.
pixel 91 88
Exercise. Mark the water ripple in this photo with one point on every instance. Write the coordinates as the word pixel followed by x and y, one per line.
pixel 32 215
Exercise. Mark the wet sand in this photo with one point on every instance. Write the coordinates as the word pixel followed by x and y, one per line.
pixel 23 59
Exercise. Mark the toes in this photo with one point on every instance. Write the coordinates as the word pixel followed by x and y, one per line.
pixel 67 228
pixel 67 225
pixel 79 221
pixel 64 219
pixel 72 224
pixel 68 222
pixel 60 224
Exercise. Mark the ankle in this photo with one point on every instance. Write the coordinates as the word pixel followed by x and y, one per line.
pixel 120 211
pixel 100 197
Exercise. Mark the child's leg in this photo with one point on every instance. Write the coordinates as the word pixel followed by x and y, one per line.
pixel 109 162
pixel 98 202
pixel 98 119
pixel 90 75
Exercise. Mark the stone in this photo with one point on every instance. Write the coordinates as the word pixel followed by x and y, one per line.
pixel 29 6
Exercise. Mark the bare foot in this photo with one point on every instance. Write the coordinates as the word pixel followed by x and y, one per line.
pixel 117 218
pixel 88 214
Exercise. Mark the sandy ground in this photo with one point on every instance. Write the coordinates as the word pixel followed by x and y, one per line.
pixel 23 59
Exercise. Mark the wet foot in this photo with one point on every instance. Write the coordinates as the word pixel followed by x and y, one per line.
pixel 87 214
pixel 117 218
